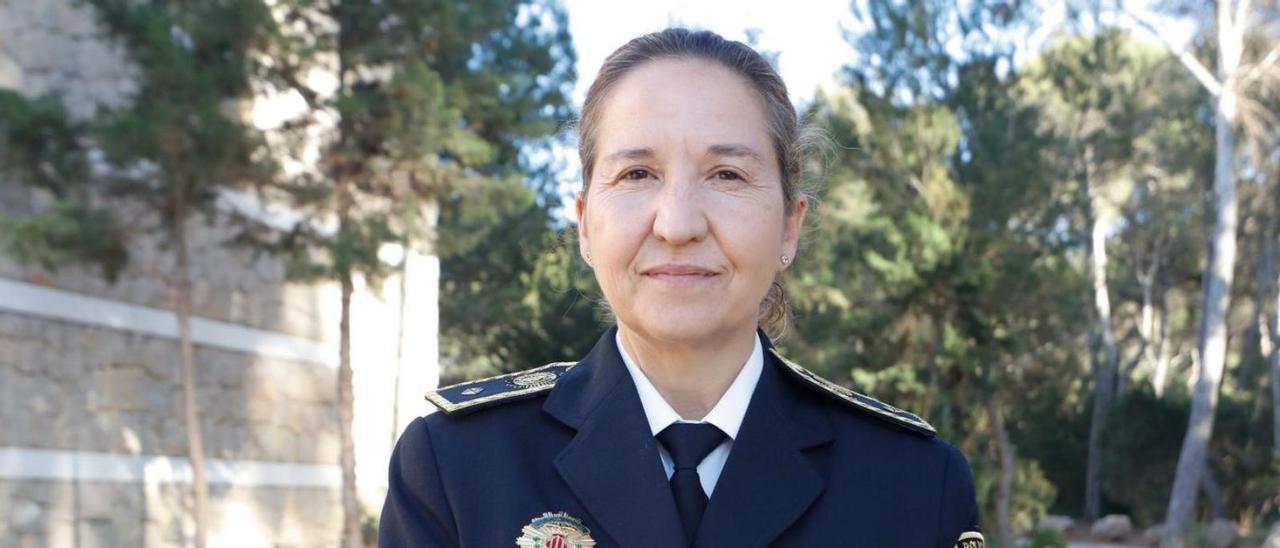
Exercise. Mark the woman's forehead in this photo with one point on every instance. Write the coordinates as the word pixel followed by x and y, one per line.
pixel 692 104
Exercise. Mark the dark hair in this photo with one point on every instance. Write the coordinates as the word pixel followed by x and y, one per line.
pixel 791 142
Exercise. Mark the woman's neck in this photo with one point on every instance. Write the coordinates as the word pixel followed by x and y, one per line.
pixel 692 378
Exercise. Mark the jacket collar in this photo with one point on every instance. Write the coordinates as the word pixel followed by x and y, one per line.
pixel 612 463
pixel 768 475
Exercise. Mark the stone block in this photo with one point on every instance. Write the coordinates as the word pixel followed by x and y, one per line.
pixel 1112 527
pixel 129 387
pixel 1152 536
pixel 1057 524
pixel 1221 534
pixel 26 516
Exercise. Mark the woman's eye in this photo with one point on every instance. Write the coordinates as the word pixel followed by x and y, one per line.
pixel 726 175
pixel 636 174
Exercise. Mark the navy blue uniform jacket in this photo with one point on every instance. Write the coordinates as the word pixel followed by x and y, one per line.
pixel 813 465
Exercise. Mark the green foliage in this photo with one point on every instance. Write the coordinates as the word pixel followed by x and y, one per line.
pixel 66 233
pixel 1141 453
pixel 1052 430
pixel 434 100
pixel 946 264
pixel 1032 496
pixel 451 105
pixel 520 296
pixel 1046 539
pixel 42 147
pixel 180 138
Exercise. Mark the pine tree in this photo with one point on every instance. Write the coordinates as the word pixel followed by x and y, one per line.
pixel 178 143
pixel 431 99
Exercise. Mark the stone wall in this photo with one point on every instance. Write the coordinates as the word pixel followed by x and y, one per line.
pixel 92 436
pixel 84 388
pixel 113 515
pixel 52 46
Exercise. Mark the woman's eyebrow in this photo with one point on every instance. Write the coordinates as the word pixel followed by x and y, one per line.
pixel 731 150
pixel 734 150
pixel 643 153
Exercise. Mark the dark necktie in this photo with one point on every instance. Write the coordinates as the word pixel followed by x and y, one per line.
pixel 688 444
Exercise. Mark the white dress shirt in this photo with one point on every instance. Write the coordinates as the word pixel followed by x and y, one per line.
pixel 726 415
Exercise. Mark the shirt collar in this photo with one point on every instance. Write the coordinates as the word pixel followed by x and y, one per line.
pixel 727 413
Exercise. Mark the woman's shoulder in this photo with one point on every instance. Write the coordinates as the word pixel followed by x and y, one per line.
pixel 503 411
pixel 855 402
pixel 467 397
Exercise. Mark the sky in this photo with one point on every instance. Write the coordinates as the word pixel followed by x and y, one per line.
pixel 809 42
pixel 807 35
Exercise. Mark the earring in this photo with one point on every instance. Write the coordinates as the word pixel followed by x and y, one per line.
pixel 785 260
pixel 588 257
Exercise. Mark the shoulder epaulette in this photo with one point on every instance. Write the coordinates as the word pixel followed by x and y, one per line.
pixel 477 394
pixel 861 402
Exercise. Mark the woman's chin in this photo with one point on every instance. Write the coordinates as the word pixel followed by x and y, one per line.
pixel 683 325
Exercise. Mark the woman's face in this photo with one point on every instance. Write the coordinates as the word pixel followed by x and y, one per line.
pixel 684 221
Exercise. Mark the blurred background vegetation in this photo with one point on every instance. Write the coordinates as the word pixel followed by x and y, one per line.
pixel 1013 244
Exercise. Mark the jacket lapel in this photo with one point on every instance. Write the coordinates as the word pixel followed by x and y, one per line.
pixel 612 464
pixel 767 482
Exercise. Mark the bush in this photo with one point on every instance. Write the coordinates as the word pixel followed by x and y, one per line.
pixel 1046 539
pixel 1142 442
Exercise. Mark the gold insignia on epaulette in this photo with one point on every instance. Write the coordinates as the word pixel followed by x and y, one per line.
pixel 971 539
pixel 530 380
pixel 502 387
pixel 861 401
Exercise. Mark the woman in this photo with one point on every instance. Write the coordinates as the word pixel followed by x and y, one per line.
pixel 683 426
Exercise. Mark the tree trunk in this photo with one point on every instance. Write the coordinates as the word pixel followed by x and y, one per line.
pixel 1004 496
pixel 1104 372
pixel 1273 354
pixel 1212 494
pixel 191 408
pixel 346 415
pixel 1260 321
pixel 1217 288
pixel 1146 328
pixel 1275 366
pixel 351 537
pixel 1159 380
pixel 395 389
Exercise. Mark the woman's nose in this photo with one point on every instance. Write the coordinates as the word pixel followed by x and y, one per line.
pixel 679 217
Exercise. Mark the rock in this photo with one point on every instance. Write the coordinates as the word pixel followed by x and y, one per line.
pixel 1273 539
pixel 1152 535
pixel 1112 527
pixel 26 516
pixel 1221 534
pixel 1057 524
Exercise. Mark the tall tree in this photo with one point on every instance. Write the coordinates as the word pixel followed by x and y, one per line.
pixel 1224 83
pixel 428 99
pixel 178 142
pixel 927 281
pixel 1091 90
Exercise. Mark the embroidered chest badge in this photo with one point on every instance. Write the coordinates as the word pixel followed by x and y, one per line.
pixel 555 530
pixel 971 539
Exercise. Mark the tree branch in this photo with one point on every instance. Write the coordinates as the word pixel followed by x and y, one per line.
pixel 1198 70
pixel 1242 12
pixel 1261 67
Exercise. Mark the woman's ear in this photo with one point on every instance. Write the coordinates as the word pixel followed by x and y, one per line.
pixel 584 243
pixel 793 226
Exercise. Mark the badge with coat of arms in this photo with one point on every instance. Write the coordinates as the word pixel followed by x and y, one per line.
pixel 555 530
